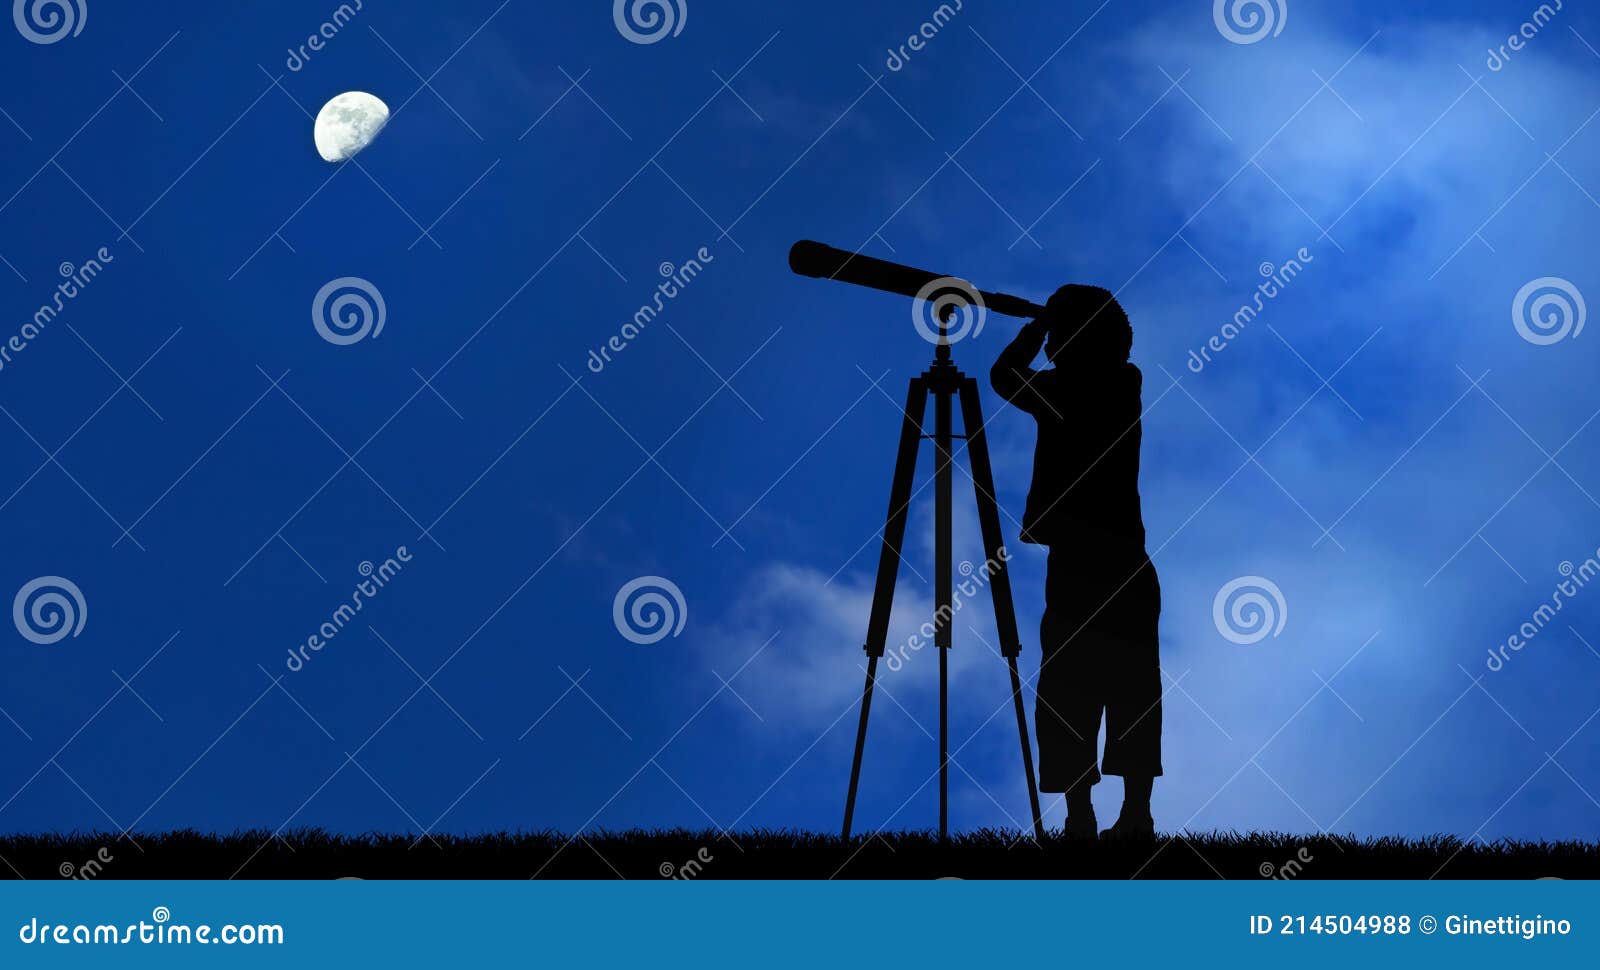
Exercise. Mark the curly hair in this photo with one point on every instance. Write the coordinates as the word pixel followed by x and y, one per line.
pixel 1091 321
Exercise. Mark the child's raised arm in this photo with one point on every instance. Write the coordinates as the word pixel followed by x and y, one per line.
pixel 1013 376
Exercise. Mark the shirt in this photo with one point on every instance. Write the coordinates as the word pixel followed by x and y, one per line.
pixel 1085 486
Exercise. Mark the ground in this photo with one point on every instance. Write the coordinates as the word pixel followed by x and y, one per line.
pixel 684 854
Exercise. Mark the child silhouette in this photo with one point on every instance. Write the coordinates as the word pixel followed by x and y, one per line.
pixel 1102 597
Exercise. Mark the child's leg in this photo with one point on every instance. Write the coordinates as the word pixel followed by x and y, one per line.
pixel 1136 795
pixel 1067 714
pixel 1133 707
pixel 1133 712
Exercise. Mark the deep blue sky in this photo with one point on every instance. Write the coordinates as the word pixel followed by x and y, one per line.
pixel 1425 202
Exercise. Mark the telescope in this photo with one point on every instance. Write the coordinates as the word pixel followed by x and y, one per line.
pixel 946 386
pixel 821 261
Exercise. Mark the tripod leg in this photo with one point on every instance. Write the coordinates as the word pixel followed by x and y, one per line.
pixel 1005 616
pixel 1027 750
pixel 894 533
pixel 942 584
pixel 861 743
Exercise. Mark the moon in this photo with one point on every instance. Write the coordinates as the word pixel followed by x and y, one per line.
pixel 348 124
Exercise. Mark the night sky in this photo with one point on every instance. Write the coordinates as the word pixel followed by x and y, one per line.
pixel 1405 450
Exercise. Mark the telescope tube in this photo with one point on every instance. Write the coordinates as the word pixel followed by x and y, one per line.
pixel 821 261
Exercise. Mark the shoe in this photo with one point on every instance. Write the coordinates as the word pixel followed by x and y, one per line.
pixel 1131 830
pixel 1080 827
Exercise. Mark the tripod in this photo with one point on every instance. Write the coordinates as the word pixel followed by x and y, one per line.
pixel 944 382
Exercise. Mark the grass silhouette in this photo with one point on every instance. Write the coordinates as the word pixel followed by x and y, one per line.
pixel 684 854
